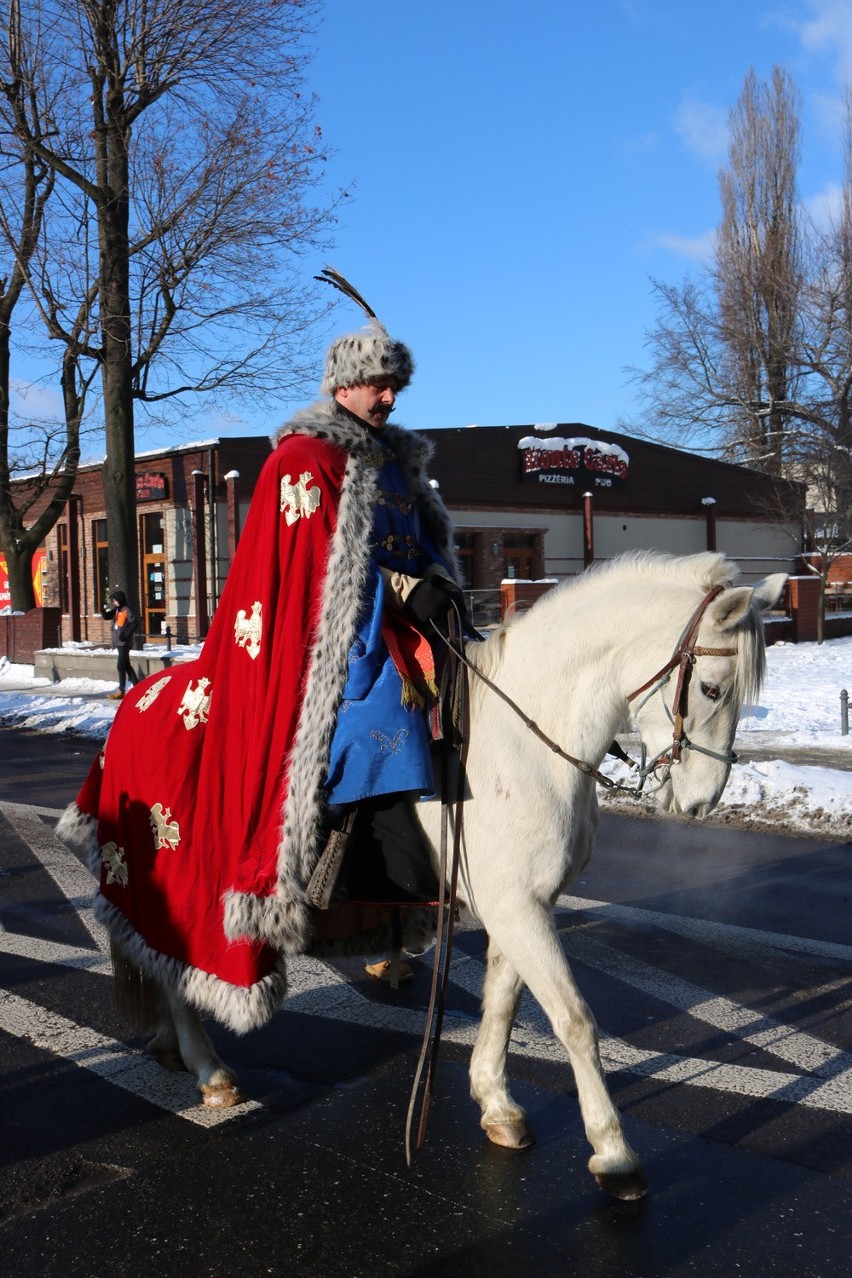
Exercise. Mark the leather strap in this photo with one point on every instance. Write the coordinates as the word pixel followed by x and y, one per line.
pixel 428 1058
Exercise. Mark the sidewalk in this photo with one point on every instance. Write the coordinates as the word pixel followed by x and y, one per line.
pixel 749 750
pixel 759 747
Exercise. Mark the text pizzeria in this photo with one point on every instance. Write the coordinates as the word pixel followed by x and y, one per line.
pixel 567 462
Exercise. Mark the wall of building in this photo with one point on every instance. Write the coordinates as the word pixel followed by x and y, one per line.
pixel 189 475
pixel 759 549
pixel 509 523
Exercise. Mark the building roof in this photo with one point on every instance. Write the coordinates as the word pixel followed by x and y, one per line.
pixel 496 467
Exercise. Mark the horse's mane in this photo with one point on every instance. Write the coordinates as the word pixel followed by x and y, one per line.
pixel 704 571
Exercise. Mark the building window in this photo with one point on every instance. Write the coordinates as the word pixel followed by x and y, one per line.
pixel 62 545
pixel 465 544
pixel 100 560
pixel 153 573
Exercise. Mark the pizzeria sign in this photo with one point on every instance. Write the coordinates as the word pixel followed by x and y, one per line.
pixel 590 462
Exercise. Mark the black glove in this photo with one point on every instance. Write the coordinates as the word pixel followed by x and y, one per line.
pixel 431 601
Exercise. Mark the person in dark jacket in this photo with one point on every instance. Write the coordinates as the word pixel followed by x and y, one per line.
pixel 124 627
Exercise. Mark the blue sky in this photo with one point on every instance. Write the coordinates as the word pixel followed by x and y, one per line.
pixel 522 169
pixel 519 171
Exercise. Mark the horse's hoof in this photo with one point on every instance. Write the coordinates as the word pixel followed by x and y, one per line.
pixel 221 1095
pixel 515 1135
pixel 628 1186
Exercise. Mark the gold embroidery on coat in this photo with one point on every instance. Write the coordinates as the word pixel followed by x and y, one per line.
pixel 195 706
pixel 113 858
pixel 396 501
pixel 148 698
pixel 248 630
pixel 390 744
pixel 166 829
pixel 297 499
pixel 375 457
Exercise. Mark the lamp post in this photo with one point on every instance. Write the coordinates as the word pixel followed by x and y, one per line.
pixel 199 554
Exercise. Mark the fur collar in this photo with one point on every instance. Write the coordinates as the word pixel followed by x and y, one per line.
pixel 331 421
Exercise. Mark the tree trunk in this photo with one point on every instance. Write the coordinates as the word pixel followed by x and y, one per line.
pixel 19 567
pixel 117 362
pixel 823 580
pixel 119 477
pixel 16 550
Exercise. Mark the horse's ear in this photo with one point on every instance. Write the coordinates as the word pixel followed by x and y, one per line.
pixel 729 609
pixel 769 591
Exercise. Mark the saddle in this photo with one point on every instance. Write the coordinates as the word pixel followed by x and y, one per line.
pixel 375 853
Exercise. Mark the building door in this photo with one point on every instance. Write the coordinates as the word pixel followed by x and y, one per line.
pixel 519 565
pixel 519 555
pixel 153 574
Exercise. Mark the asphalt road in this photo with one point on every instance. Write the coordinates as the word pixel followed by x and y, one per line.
pixel 717 963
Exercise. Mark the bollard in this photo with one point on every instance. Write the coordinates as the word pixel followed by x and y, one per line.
pixel 168 638
pixel 844 713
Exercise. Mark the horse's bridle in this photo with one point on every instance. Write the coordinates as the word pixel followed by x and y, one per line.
pixel 683 658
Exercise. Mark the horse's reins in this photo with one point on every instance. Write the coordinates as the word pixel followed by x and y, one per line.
pixel 446 920
pixel 683 657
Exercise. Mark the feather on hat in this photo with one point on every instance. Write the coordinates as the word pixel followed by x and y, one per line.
pixel 365 356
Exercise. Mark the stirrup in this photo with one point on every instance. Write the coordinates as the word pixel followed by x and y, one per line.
pixel 393 971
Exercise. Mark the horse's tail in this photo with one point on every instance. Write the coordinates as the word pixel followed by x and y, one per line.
pixel 136 995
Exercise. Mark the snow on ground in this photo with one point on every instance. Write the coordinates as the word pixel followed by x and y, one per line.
pixel 800 702
pixel 799 710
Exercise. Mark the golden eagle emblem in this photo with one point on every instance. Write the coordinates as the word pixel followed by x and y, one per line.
pixel 113 858
pixel 248 630
pixel 297 499
pixel 195 706
pixel 166 829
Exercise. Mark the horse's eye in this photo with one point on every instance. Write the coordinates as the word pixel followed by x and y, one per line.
pixel 711 691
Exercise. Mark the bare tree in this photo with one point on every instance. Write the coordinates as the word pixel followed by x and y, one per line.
pixel 48 453
pixel 184 150
pixel 754 359
pixel 723 352
pixel 757 271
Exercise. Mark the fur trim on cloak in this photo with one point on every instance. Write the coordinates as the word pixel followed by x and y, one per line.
pixel 283 920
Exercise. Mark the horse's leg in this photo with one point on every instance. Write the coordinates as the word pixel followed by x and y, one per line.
pixel 504 1121
pixel 526 934
pixel 216 1082
pixel 142 1003
pixel 164 1046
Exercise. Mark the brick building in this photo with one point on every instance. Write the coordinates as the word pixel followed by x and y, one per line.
pixel 533 502
pixel 528 503
pixel 192 501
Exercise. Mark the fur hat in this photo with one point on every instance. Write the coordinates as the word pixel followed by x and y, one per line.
pixel 367 355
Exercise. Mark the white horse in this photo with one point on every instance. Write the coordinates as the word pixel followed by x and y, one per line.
pixel 573 664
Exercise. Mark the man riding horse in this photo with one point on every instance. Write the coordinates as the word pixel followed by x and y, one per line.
pixel 313 709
